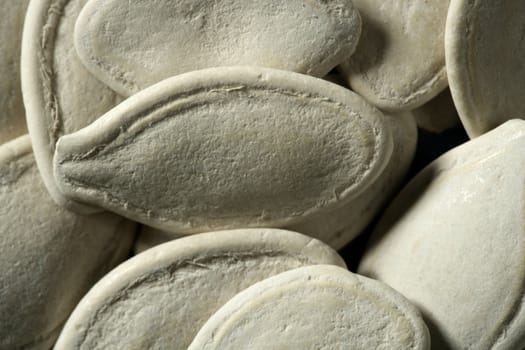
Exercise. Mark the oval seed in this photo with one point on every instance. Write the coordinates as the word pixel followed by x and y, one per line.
pixel 50 256
pixel 168 292
pixel 485 47
pixel 60 95
pixel 453 243
pixel 131 45
pixel 315 307
pixel 227 148
pixel 399 63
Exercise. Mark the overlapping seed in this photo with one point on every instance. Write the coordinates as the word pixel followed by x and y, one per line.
pixel 60 95
pixel 485 47
pixel 132 45
pixel 234 147
pixel 399 63
pixel 225 121
pixel 50 256
pixel 183 283
pixel 315 307
pixel 479 246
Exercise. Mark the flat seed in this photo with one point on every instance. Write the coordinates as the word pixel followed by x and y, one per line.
pixel 227 148
pixel 315 307
pixel 131 45
pixel 60 95
pixel 160 298
pixel 50 256
pixel 485 46
pixel 399 63
pixel 453 242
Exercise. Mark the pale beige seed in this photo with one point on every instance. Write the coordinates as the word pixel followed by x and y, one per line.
pixel 160 298
pixel 131 45
pixel 399 63
pixel 50 256
pixel 60 95
pixel 315 307
pixel 453 243
pixel 227 148
pixel 485 47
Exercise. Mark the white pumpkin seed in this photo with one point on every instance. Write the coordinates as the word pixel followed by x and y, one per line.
pixel 60 95
pixel 485 46
pixel 227 148
pixel 50 257
pixel 453 242
pixel 399 63
pixel 160 298
pixel 315 307
pixel 131 45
